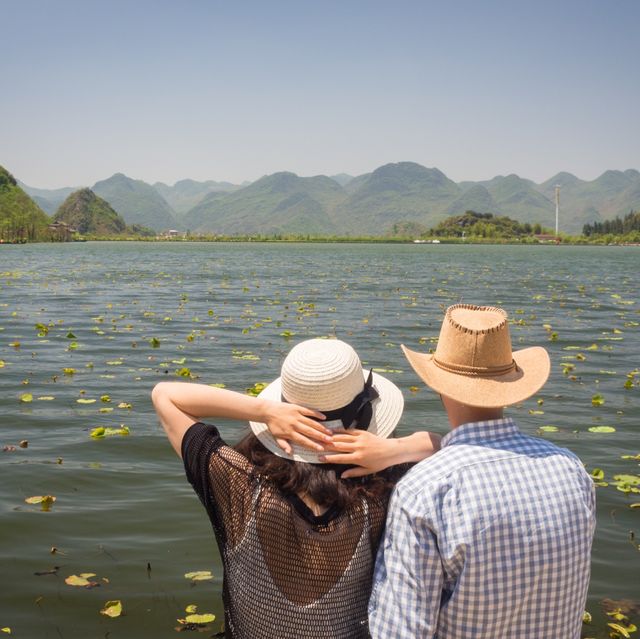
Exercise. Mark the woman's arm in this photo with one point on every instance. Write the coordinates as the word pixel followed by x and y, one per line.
pixel 180 404
pixel 371 453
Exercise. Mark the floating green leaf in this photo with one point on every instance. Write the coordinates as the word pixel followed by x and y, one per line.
pixel 26 398
pixel 112 608
pixel 621 629
pixel 155 342
pixel 256 389
pixel 632 480
pixel 597 473
pixel 202 619
pixel 81 581
pixel 549 429
pixel 199 575
pixel 46 501
pixel 597 400
pixel 101 431
pixel 602 429
pixel 83 400
pixel 69 371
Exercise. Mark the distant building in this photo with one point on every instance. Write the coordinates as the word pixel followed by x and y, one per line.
pixel 547 238
pixel 62 232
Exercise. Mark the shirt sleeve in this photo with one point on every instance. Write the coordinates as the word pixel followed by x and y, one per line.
pixel 222 478
pixel 408 579
pixel 198 444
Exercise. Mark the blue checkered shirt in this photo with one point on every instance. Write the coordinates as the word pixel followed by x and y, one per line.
pixel 490 537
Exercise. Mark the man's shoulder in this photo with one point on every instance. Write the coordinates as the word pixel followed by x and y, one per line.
pixel 459 458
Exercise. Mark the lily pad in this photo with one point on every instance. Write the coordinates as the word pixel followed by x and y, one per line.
pixel 46 501
pixel 199 575
pixel 81 581
pixel 200 619
pixel 102 431
pixel 602 429
pixel 112 608
pixel 256 389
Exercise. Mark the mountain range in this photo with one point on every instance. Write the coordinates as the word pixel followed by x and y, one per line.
pixel 368 204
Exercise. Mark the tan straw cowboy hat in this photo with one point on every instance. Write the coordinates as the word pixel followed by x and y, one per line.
pixel 474 364
pixel 326 375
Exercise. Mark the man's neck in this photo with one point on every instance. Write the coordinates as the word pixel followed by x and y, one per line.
pixel 459 414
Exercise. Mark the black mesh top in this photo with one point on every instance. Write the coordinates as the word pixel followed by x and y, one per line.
pixel 288 574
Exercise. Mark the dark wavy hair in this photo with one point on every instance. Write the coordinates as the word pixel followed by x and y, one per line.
pixel 321 482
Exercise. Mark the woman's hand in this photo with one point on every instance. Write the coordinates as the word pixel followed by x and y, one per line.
pixel 372 454
pixel 290 423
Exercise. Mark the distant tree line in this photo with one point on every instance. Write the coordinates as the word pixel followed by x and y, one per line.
pixel 617 226
pixel 21 219
pixel 484 225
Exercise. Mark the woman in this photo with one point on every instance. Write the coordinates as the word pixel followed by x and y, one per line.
pixel 297 535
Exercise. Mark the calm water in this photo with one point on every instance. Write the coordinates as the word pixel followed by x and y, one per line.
pixel 229 313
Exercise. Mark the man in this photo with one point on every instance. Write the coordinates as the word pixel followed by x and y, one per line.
pixel 490 537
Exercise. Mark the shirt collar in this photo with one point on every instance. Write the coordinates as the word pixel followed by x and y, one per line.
pixel 478 432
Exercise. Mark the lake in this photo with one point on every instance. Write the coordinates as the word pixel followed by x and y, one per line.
pixel 87 329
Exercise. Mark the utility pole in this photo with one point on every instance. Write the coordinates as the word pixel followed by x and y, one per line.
pixel 557 206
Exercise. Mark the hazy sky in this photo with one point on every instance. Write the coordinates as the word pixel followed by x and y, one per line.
pixel 167 89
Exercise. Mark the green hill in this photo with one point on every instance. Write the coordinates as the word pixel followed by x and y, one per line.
pixel 47 199
pixel 402 192
pixel 475 198
pixel 137 202
pixel 482 225
pixel 21 219
pixel 90 214
pixel 518 199
pixel 185 194
pixel 400 195
pixel 278 203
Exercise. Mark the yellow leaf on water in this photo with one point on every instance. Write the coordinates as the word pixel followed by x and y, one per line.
pixel 199 575
pixel 26 397
pixel 112 608
pixel 191 608
pixel 76 580
pixel 6 630
pixel 45 501
pixel 621 629
pixel 101 431
pixel 204 618
pixel 82 400
pixel 46 398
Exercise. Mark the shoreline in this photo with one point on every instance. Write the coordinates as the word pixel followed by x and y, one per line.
pixel 340 240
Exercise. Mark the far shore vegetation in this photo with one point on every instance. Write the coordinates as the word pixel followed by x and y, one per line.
pixel 84 216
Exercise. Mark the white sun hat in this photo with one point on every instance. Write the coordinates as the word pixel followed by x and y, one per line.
pixel 326 375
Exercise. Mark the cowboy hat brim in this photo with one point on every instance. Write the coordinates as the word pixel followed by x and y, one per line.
pixel 531 372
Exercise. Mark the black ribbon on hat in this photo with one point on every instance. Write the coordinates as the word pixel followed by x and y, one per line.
pixel 358 412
